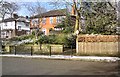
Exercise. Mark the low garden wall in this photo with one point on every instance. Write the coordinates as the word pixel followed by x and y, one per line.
pixel 43 48
pixel 106 45
pixel 47 47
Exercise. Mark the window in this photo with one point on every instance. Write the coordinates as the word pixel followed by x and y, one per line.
pixel 2 33
pixel 44 21
pixel 44 31
pixel 5 24
pixel 58 29
pixel 20 23
pixel 35 21
pixel 19 28
pixel 27 24
pixel 51 20
pixel 59 19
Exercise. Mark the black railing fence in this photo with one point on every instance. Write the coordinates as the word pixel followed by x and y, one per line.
pixel 37 50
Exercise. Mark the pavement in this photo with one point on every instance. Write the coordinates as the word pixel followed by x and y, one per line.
pixel 65 57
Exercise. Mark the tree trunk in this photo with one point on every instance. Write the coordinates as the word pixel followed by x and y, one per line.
pixel 77 23
pixel 3 16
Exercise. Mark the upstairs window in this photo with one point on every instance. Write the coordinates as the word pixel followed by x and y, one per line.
pixel 58 19
pixel 51 20
pixel 44 21
pixel 3 33
pixel 27 24
pixel 35 21
pixel 20 23
pixel 19 28
pixel 6 24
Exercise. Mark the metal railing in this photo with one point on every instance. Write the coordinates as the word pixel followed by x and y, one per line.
pixel 36 50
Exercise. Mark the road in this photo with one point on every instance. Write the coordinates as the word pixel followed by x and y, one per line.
pixel 32 66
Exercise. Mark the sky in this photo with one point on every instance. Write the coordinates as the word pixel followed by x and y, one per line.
pixel 44 3
pixel 59 0
pixel 24 12
pixel 37 0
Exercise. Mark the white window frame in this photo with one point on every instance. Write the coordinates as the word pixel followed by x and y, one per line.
pixel 35 21
pixel 58 19
pixel 19 28
pixel 5 23
pixel 51 20
pixel 44 21
pixel 44 31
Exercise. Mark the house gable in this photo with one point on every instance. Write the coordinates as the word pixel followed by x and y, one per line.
pixel 47 20
pixel 8 29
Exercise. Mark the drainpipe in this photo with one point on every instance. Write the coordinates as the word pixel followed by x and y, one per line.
pixel 15 28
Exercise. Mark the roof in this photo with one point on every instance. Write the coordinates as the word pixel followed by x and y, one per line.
pixel 19 19
pixel 7 30
pixel 52 13
pixel 8 20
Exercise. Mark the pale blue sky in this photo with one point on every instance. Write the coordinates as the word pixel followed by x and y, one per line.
pixel 24 12
pixel 44 3
pixel 37 0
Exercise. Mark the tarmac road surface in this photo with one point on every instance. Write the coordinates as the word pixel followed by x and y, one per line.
pixel 32 66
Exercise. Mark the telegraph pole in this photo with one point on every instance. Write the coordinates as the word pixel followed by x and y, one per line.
pixel 0 41
pixel 1 3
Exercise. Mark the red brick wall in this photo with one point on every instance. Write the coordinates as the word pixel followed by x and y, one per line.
pixel 47 25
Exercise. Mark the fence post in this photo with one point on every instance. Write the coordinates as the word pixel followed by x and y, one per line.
pixel 31 50
pixel 71 51
pixel 10 49
pixel 50 50
pixel 15 50
pixel 63 48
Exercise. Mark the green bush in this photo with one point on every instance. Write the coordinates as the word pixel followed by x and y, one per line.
pixel 22 38
pixel 68 30
pixel 52 39
pixel 71 41
pixel 43 39
pixel 63 39
pixel 14 39
pixel 33 32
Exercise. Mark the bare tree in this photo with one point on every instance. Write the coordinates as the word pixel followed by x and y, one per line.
pixel 35 8
pixel 8 8
pixel 58 4
pixel 80 8
pixel 77 9
pixel 14 7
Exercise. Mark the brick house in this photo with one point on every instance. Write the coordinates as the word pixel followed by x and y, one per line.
pixel 12 27
pixel 47 20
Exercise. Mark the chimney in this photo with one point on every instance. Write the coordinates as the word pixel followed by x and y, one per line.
pixel 73 10
pixel 14 15
pixel 27 17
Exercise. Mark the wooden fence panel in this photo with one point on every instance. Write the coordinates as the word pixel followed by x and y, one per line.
pixel 92 45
